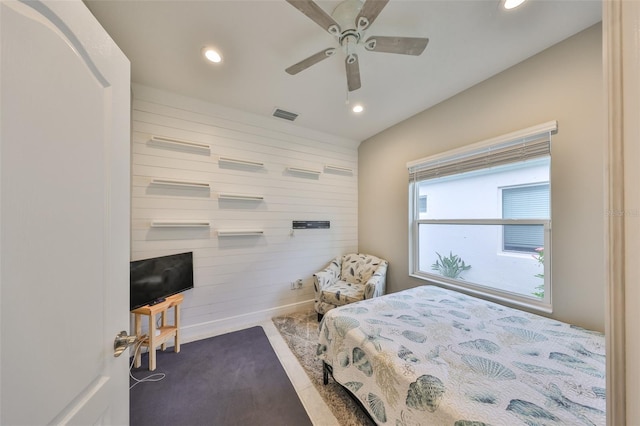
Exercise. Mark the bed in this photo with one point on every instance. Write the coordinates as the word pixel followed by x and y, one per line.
pixel 432 356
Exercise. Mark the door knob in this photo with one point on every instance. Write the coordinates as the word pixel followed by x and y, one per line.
pixel 122 342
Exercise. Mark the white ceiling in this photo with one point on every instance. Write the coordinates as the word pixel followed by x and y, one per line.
pixel 470 40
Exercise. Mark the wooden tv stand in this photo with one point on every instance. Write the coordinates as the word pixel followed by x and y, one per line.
pixel 166 332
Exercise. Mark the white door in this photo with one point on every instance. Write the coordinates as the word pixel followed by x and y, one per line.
pixel 64 216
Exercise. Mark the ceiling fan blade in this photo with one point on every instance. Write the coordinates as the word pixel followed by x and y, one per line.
pixel 402 45
pixel 311 60
pixel 369 12
pixel 353 72
pixel 317 15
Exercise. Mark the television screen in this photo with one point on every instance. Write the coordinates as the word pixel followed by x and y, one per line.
pixel 154 279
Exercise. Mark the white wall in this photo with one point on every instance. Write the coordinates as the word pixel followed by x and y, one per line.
pixel 478 195
pixel 562 83
pixel 239 279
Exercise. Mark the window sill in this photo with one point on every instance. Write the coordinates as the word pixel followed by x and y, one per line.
pixel 511 299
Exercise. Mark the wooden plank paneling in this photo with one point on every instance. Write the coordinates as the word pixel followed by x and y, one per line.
pixel 236 276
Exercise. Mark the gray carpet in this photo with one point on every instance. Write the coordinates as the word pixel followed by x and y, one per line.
pixel 231 379
pixel 300 331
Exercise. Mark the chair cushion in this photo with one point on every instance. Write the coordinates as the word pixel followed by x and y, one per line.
pixel 342 293
pixel 357 268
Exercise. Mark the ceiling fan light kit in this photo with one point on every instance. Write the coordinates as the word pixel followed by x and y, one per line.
pixel 347 23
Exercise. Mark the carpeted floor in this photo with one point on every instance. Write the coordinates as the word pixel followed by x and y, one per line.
pixel 300 331
pixel 227 380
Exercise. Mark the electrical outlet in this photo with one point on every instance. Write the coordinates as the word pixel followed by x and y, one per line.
pixel 299 284
pixel 293 285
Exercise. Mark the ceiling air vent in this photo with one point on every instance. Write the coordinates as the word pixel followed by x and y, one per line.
pixel 286 115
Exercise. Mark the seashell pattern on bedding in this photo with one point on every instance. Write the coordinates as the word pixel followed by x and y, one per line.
pixel 431 356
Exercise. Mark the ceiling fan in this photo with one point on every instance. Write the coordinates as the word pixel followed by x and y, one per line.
pixel 348 23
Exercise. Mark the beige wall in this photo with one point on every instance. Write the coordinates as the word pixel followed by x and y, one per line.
pixel 563 83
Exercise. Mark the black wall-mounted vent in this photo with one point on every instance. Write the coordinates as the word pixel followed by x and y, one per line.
pixel 285 115
pixel 311 224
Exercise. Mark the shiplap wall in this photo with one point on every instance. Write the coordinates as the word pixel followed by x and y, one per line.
pixel 238 280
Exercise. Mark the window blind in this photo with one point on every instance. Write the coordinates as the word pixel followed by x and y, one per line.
pixel 524 238
pixel 525 145
pixel 525 202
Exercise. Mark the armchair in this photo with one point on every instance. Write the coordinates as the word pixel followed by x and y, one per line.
pixel 347 279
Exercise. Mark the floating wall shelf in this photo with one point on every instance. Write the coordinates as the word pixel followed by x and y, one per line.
pixel 304 171
pixel 338 169
pixel 240 162
pixel 175 182
pixel 230 196
pixel 180 224
pixel 180 142
pixel 239 232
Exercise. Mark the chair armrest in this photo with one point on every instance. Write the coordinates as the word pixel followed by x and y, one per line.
pixel 376 286
pixel 327 276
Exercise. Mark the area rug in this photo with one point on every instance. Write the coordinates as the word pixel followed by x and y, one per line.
pixel 231 379
pixel 300 331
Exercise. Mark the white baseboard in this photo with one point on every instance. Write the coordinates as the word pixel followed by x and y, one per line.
pixel 204 330
pixel 208 329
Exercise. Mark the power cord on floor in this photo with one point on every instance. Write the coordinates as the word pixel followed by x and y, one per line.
pixel 156 377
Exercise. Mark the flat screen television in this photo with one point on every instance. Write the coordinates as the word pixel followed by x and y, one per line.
pixel 152 280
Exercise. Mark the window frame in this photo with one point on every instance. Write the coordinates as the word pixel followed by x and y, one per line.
pixel 491 293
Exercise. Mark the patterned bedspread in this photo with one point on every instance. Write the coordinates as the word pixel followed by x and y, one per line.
pixel 431 356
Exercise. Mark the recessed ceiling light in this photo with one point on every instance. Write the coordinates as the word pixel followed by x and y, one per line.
pixel 211 54
pixel 512 4
pixel 358 108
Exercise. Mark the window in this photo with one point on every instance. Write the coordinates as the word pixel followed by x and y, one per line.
pixel 422 203
pixel 524 202
pixel 488 226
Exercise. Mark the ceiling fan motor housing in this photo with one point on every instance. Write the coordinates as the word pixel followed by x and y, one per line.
pixel 349 38
pixel 345 14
